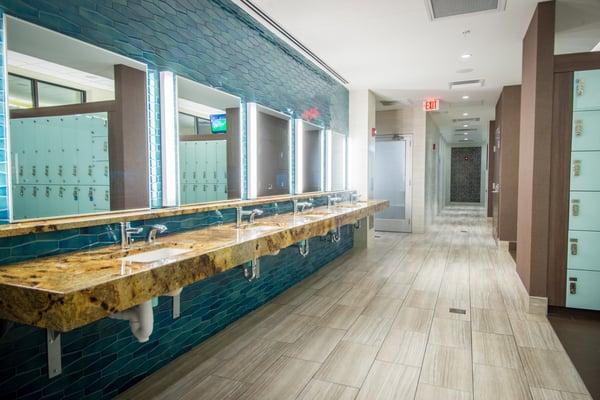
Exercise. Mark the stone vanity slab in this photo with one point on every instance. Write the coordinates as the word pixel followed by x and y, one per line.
pixel 68 291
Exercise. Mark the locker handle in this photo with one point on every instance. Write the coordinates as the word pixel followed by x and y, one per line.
pixel 576 167
pixel 578 127
pixel 90 169
pixel 575 208
pixel 572 287
pixel 574 248
pixel 580 87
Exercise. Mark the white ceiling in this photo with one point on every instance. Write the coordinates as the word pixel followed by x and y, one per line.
pixel 394 49
pixel 34 41
pixel 577 26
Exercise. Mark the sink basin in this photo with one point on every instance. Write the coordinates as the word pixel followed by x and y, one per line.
pixel 156 255
pixel 260 228
pixel 309 217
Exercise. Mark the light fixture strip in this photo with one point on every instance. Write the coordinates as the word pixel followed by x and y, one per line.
pixel 299 156
pixel 329 160
pixel 322 159
pixel 169 139
pixel 252 148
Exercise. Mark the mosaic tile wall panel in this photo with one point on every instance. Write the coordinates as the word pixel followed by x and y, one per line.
pixel 209 41
pixel 465 175
pixel 103 359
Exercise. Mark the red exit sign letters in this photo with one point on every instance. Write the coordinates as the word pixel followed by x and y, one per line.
pixel 431 105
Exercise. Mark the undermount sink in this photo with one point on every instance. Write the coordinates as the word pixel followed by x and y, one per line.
pixel 156 255
pixel 260 228
pixel 310 216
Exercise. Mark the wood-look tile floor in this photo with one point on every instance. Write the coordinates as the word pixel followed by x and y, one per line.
pixel 431 316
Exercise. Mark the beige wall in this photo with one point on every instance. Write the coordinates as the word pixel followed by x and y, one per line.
pixel 361 149
pixel 432 172
pixel 410 121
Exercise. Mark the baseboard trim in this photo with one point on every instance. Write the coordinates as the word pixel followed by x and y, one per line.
pixel 538 305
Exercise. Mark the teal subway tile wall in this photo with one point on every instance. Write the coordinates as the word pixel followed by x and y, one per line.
pixel 214 43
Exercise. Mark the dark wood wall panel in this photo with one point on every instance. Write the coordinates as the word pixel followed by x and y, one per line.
pixel 506 167
pixel 534 150
pixel 562 116
pixel 128 142
pixel 490 161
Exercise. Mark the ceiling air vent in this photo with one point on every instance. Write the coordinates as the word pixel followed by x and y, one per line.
pixel 449 8
pixel 464 130
pixel 473 83
pixel 463 120
pixel 387 103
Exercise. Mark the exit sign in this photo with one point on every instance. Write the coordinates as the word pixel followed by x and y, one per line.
pixel 431 105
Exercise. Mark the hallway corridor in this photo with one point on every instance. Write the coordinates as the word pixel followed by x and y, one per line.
pixel 434 316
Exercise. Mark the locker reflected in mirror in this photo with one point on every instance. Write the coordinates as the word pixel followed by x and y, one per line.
pixel 78 137
pixel 208 125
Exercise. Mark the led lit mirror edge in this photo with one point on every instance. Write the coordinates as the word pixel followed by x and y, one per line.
pixel 7 139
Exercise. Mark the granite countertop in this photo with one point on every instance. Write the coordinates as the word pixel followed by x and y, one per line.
pixel 68 291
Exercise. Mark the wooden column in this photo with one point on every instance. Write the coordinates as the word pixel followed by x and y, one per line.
pixel 491 167
pixel 128 141
pixel 535 149
pixel 506 159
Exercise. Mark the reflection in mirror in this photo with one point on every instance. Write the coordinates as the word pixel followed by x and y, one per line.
pixel 269 140
pixel 78 137
pixel 209 143
pixel 309 157
pixel 336 156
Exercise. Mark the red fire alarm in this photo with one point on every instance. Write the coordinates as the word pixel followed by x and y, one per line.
pixel 373 132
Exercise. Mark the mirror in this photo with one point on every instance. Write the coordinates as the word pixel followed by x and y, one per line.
pixel 336 149
pixel 310 157
pixel 269 142
pixel 78 138
pixel 209 124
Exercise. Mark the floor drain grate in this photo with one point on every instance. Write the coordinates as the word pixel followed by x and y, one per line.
pixel 464 231
pixel 458 311
pixel 377 236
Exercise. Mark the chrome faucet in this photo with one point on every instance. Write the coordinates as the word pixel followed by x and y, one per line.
pixel 154 230
pixel 353 197
pixel 251 215
pixel 126 232
pixel 301 206
pixel 331 200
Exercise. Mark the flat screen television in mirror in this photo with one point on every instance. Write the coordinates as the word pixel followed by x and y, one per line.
pixel 209 143
pixel 77 126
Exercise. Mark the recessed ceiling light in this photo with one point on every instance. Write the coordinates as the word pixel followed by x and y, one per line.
pixel 465 114
pixel 465 97
pixel 466 133
pixel 465 56
pixel 465 139
pixel 465 126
